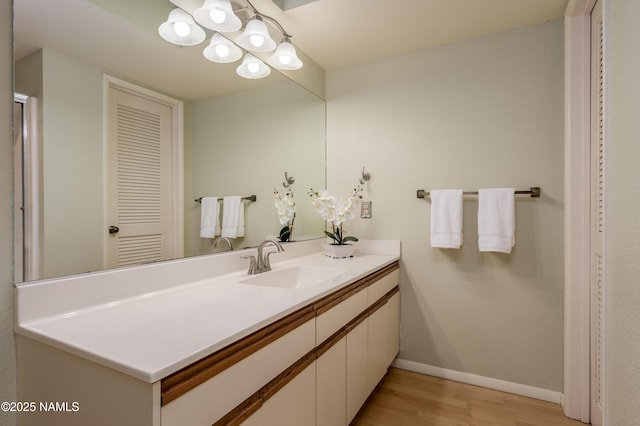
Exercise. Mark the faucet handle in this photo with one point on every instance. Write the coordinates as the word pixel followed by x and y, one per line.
pixel 252 264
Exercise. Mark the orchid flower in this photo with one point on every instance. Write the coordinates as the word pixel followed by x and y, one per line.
pixel 286 206
pixel 336 211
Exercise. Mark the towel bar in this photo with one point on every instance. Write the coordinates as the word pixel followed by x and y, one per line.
pixel 248 198
pixel 534 192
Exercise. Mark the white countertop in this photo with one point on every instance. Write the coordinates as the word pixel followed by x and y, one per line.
pixel 154 334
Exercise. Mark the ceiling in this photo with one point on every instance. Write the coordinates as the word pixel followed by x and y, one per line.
pixel 334 33
pixel 339 33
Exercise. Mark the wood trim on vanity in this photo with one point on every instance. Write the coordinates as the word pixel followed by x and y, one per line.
pixel 323 305
pixel 375 276
pixel 330 342
pixel 182 381
pixel 343 294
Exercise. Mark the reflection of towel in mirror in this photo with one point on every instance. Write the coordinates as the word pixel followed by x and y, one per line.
pixel 209 217
pixel 446 218
pixel 496 220
pixel 233 217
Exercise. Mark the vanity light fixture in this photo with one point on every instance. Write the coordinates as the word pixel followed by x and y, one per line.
pixel 181 29
pixel 222 50
pixel 217 15
pixel 252 68
pixel 255 37
pixel 285 57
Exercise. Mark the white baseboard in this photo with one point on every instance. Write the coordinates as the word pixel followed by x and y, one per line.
pixel 486 382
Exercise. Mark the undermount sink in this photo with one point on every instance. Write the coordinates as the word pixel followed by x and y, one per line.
pixel 294 277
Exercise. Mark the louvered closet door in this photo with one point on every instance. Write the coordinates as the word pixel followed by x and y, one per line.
pixel 598 150
pixel 139 181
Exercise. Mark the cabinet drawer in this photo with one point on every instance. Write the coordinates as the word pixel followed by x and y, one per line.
pixel 212 399
pixel 337 317
pixel 383 285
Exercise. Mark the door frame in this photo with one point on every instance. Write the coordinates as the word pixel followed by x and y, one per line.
pixel 576 398
pixel 32 194
pixel 177 156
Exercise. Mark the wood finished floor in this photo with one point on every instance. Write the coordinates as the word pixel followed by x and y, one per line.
pixel 404 398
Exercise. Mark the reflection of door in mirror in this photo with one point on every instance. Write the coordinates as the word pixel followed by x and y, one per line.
pixel 18 219
pixel 27 190
pixel 141 227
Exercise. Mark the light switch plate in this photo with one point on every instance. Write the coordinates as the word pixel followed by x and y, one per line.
pixel 365 209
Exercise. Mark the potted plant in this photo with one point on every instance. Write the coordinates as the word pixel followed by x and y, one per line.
pixel 336 211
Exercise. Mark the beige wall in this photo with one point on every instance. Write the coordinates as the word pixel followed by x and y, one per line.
pixel 241 144
pixel 622 212
pixel 482 113
pixel 7 347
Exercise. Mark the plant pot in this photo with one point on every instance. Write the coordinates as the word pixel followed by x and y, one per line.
pixel 339 251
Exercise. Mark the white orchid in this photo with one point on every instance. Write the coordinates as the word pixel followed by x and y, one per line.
pixel 286 206
pixel 336 211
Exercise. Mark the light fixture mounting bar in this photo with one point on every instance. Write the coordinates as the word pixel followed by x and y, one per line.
pixel 272 20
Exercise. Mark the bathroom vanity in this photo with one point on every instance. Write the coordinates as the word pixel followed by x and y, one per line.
pixel 199 342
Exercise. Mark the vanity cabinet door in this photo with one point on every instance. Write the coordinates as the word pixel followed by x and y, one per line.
pixel 377 344
pixel 393 342
pixel 357 373
pixel 331 385
pixel 384 330
pixel 293 405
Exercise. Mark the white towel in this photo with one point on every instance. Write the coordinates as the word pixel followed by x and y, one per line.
pixel 233 217
pixel 496 220
pixel 446 218
pixel 209 217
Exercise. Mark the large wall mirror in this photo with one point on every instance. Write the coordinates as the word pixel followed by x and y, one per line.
pixel 239 136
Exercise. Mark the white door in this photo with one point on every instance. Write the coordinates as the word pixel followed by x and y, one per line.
pixel 140 189
pixel 598 156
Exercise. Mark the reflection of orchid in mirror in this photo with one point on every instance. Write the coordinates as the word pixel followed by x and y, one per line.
pixel 286 206
pixel 337 210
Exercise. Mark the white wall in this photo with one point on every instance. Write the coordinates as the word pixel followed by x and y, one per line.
pixel 72 148
pixel 482 113
pixel 622 364
pixel 7 346
pixel 69 96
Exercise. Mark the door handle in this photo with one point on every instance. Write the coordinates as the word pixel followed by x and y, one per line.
pixel 114 229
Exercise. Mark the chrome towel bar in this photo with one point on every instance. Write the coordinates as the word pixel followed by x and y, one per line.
pixel 248 198
pixel 534 192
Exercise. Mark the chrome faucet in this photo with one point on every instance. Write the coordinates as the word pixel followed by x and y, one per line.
pixel 225 239
pixel 261 264
pixel 263 260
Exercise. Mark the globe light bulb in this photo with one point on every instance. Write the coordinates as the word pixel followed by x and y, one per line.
pixel 285 59
pixel 222 50
pixel 182 28
pixel 253 67
pixel 257 40
pixel 218 16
